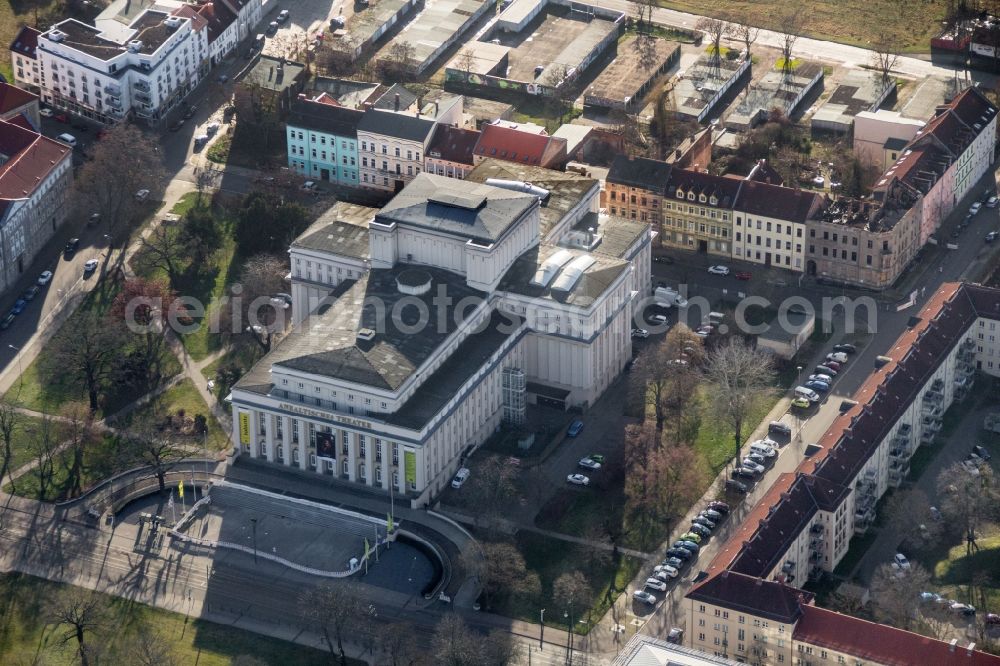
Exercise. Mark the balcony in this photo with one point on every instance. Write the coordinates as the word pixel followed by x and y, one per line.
pixel 862 521
pixel 141 86
pixel 113 90
pixel 817 528
pixel 143 98
pixel 934 396
pixel 930 427
pixel 815 557
pixel 816 545
pixel 931 411
pixel 815 573
pixel 963 385
pixel 113 102
pixel 897 472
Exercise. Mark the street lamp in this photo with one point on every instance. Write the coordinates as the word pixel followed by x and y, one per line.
pixel 569 637
pixel 20 370
pixel 541 633
pixel 798 426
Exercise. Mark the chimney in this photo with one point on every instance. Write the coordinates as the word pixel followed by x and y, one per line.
pixel 951 644
pixel 969 650
pixel 397 101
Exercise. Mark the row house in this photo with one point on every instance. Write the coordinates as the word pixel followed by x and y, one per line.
pixel 450 152
pixel 770 221
pixel 524 143
pixel 24 59
pixel 698 212
pixel 392 145
pixel 802 527
pixel 323 141
pixel 146 68
pixel 635 188
pixel 35 177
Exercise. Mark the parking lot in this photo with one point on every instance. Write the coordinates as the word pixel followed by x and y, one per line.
pixel 306 19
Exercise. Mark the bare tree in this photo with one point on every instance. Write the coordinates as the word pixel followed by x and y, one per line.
pixel 666 372
pixel 466 60
pixel 88 355
pixel 249 310
pixel 885 54
pixel 154 447
pixel 715 29
pixel 790 25
pixel 894 593
pixel 968 500
pixel 643 11
pixel 10 423
pixel 165 247
pixel 44 444
pixel 501 571
pixel 740 29
pixel 336 610
pixel 572 595
pixel 738 375
pixel 149 647
pixel 124 161
pixel 489 491
pixel 453 644
pixel 399 61
pixel 84 613
pixel 397 646
pixel 78 435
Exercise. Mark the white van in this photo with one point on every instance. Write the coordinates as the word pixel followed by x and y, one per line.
pixel 68 139
pixel 762 449
pixel 715 318
pixel 808 394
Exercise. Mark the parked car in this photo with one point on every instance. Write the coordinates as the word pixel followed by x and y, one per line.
pixel 718 270
pixel 962 609
pixel 837 357
pixel 900 561
pixel 974 208
pixel 703 521
pixel 658 319
pixel 663 259
pixel 807 393
pixel 929 596
pixel 44 278
pixel 645 597
pixel 665 570
pixel 981 452
pixel 45 112
pixel 733 486
pixel 744 275
pixel 578 480
pixel 656 584
pixel 597 457
pixel 676 636
pixel 992 618
pixel 818 386
pixel 70 249
pixel 935 513
pixel 743 473
pixel 992 236
pixel 821 378
pixel 713 515
pixel 89 267
pixel 680 553
pixel 700 530
pixel 282 16
pixel 19 306
pixel 61 117
pixel 845 347
pixel 779 428
pixel 689 546
pixel 461 476
pixel 191 110
pixel 7 321
pixel 588 463
pixel 574 428
pixel 640 333
pixel 758 459
pixel 834 365
pixel 674 562
pixel 721 507
pixel 765 447
pixel 272 27
pixel 691 536
pixel 142 195
pixel 754 467
pixel 827 369
pixel 992 202
pixel 30 293
pixel 801 403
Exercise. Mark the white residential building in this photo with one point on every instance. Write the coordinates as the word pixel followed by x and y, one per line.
pixel 147 67
pixel 769 224
pixel 368 390
pixel 24 60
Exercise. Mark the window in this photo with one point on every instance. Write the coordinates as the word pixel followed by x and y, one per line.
pixel 312 461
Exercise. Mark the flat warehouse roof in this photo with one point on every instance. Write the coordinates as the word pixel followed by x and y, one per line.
pixel 637 61
pixel 558 41
pixel 436 24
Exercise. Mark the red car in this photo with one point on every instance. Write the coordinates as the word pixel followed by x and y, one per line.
pixel 743 275
pixel 61 117
pixel 833 364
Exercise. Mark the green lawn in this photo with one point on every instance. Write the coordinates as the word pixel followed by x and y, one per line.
pixel 550 558
pixel 186 203
pixel 47 393
pixel 25 633
pixel 184 396
pixel 101 460
pixel 23 433
pixel 716 442
pixel 218 152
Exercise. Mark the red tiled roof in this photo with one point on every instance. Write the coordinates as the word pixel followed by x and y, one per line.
pixel 12 97
pixel 506 142
pixel 453 144
pixel 218 16
pixel 30 158
pixel 26 42
pixel 326 98
pixel 880 643
pixel 198 21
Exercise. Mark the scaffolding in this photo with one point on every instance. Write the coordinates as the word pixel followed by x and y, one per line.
pixel 515 405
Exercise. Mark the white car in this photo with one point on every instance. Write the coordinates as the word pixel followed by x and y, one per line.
pixel 974 208
pixel 640 333
pixel 821 378
pixel 766 443
pixel 900 562
pixel 578 480
pixel 90 266
pixel 839 357
pixel 589 463
pixel 645 597
pixel 752 466
pixel 655 583
pixel 718 270
pixel 661 570
pixel 45 113
pixel 992 202
pixel 658 319
pixel 308 186
pixel 282 16
pixel 460 477
pixel 44 278
pixel 142 195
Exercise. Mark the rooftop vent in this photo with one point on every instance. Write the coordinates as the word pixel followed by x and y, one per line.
pixel 519 186
pixel 56 35
pixel 414 282
pixel 173 22
pixel 135 45
pixel 366 334
pixel 572 273
pixel 549 268
pixel 458 200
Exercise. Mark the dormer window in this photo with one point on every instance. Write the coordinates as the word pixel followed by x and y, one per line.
pixel 690 196
pixel 702 198
pixel 680 193
pixel 714 200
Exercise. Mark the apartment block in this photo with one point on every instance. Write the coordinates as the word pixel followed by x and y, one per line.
pixel 748 603
pixel 636 188
pixel 322 141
